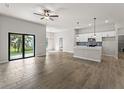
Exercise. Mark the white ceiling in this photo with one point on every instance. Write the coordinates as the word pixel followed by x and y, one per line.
pixel 69 14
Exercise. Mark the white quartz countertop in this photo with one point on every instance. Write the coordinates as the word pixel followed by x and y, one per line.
pixel 85 47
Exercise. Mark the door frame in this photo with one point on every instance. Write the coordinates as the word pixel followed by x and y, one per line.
pixel 61 43
pixel 23 46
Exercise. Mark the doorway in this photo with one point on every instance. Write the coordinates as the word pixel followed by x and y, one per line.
pixel 21 46
pixel 60 44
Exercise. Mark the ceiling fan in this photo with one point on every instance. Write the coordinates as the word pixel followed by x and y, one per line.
pixel 46 15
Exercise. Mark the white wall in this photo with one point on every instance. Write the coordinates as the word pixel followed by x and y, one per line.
pixel 50 36
pixel 68 40
pixel 10 24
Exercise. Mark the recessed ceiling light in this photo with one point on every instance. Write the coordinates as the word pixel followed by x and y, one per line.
pixel 89 24
pixel 106 21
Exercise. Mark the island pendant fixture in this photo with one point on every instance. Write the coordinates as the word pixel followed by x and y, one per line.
pixel 94 29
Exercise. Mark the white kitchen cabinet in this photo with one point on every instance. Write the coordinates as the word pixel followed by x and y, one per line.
pixel 84 37
pixel 108 34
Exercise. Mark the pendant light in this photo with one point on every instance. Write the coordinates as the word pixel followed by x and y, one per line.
pixel 77 25
pixel 77 29
pixel 94 27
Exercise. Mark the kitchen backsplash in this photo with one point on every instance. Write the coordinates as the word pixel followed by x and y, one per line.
pixel 86 43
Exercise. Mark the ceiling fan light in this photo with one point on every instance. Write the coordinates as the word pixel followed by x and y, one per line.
pixel 89 24
pixel 47 18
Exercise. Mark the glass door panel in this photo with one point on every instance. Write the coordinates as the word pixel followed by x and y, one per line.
pixel 29 46
pixel 15 46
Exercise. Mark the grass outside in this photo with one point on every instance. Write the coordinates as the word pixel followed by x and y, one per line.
pixel 14 52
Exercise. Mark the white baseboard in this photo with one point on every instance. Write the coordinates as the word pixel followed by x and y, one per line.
pixel 40 55
pixel 110 56
pixel 68 51
pixel 87 59
pixel 4 61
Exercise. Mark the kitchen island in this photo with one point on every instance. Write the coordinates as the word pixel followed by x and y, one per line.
pixel 88 53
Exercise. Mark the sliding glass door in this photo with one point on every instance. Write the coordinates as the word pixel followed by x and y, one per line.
pixel 21 46
pixel 29 45
pixel 15 46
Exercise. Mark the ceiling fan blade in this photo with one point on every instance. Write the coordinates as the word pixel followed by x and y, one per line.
pixel 54 15
pixel 51 19
pixel 42 18
pixel 38 14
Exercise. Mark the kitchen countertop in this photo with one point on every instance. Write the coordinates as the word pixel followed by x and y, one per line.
pixel 86 47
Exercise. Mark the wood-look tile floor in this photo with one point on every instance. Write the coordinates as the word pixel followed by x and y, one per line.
pixel 62 71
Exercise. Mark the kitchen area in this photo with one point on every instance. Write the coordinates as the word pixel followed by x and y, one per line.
pixel 93 45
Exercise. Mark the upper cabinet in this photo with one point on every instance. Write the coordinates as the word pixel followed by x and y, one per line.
pixel 102 30
pixel 84 37
pixel 109 34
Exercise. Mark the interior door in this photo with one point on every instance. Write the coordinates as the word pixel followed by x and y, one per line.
pixel 61 44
